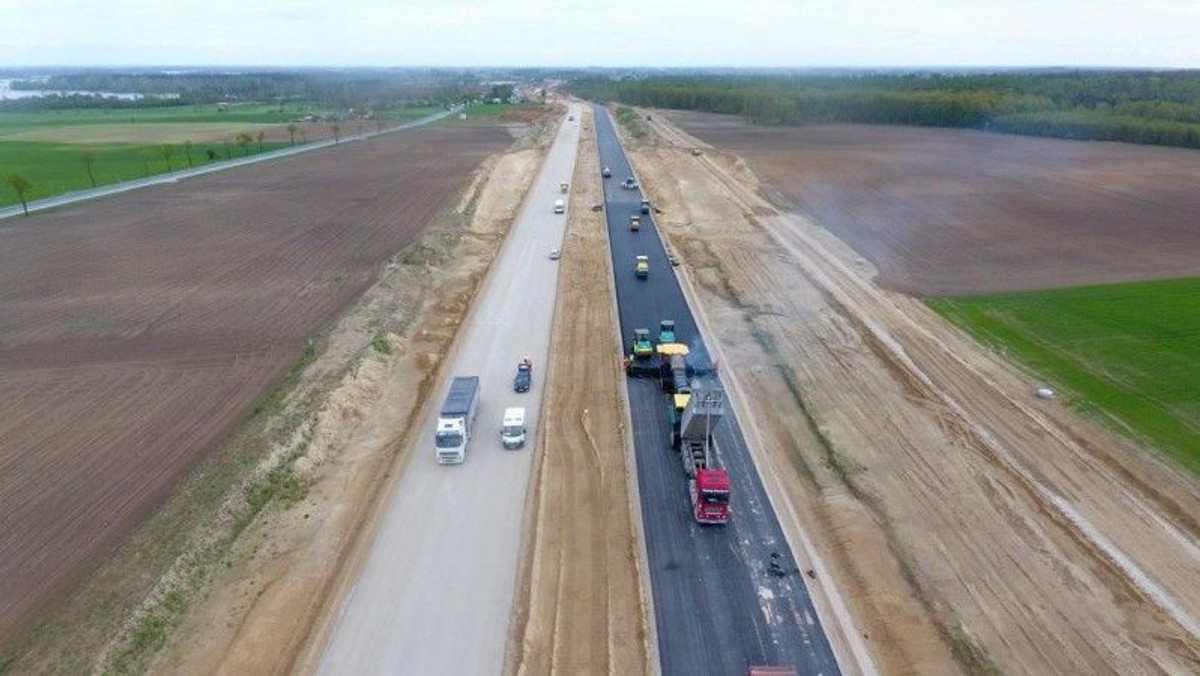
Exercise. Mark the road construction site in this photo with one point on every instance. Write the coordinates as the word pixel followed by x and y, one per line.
pixel 898 501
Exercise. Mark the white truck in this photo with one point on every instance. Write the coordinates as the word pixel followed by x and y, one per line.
pixel 456 419
pixel 512 433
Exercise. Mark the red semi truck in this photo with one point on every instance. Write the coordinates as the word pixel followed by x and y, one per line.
pixel 695 412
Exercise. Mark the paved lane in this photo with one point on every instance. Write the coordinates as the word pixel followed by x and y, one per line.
pixel 718 609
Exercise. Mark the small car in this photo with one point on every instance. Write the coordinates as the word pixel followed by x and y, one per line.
pixel 641 266
pixel 606 172
pixel 524 376
pixel 555 254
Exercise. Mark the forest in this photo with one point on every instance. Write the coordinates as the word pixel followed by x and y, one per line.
pixel 1149 107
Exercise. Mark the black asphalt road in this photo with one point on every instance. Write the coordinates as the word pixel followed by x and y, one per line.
pixel 718 608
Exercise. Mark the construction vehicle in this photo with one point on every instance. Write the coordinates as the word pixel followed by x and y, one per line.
pixel 635 223
pixel 512 431
pixel 695 412
pixel 666 331
pixel 640 345
pixel 524 377
pixel 645 206
pixel 456 419
pixel 641 266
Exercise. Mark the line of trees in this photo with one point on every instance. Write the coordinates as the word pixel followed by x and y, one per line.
pixel 88 158
pixel 1135 107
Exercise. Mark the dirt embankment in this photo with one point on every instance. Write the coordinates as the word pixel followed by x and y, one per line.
pixel 968 526
pixel 580 601
pixel 137 332
pixel 225 586
pixel 262 609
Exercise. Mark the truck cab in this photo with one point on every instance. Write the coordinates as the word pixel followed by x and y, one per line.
pixel 635 223
pixel 641 266
pixel 512 431
pixel 710 496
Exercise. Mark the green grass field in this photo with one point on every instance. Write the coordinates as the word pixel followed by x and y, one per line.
pixel 46 146
pixel 1127 353
pixel 55 168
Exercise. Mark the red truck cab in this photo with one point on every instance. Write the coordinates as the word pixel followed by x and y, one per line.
pixel 710 496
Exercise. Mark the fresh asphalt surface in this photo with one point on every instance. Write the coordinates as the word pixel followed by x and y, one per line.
pixel 436 591
pixel 717 608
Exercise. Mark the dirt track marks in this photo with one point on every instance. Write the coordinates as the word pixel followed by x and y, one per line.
pixel 988 503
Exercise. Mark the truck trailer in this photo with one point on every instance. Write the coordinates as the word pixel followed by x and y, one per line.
pixel 456 419
pixel 694 414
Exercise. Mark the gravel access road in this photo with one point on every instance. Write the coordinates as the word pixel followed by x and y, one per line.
pixel 436 591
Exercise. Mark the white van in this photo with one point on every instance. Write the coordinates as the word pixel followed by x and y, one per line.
pixel 512 434
pixel 559 206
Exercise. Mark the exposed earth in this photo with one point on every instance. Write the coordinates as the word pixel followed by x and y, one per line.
pixel 955 212
pixel 968 525
pixel 137 332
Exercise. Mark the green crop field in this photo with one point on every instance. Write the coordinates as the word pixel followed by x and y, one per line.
pixel 1127 353
pixel 46 147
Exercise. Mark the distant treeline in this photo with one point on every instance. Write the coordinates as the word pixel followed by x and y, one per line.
pixel 82 101
pixel 1161 108
pixel 333 89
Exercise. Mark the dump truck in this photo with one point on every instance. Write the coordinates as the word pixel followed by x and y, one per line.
pixel 635 223
pixel 456 419
pixel 695 411
pixel 641 266
pixel 666 331
pixel 512 430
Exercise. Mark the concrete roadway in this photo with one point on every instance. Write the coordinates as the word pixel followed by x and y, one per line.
pixel 717 608
pixel 436 592
pixel 176 176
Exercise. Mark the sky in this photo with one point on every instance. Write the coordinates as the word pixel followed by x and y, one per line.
pixel 664 33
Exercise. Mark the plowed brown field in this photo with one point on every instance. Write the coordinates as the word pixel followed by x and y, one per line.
pixel 951 212
pixel 135 333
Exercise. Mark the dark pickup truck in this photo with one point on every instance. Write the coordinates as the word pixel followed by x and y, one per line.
pixel 524 376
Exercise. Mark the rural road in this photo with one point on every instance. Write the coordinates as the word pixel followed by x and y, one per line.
pixel 718 609
pixel 436 591
pixel 176 176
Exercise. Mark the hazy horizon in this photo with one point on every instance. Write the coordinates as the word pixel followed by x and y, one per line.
pixel 571 34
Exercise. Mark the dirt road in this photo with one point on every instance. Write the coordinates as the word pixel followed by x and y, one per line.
pixel 137 332
pixel 969 525
pixel 443 563
pixel 580 602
